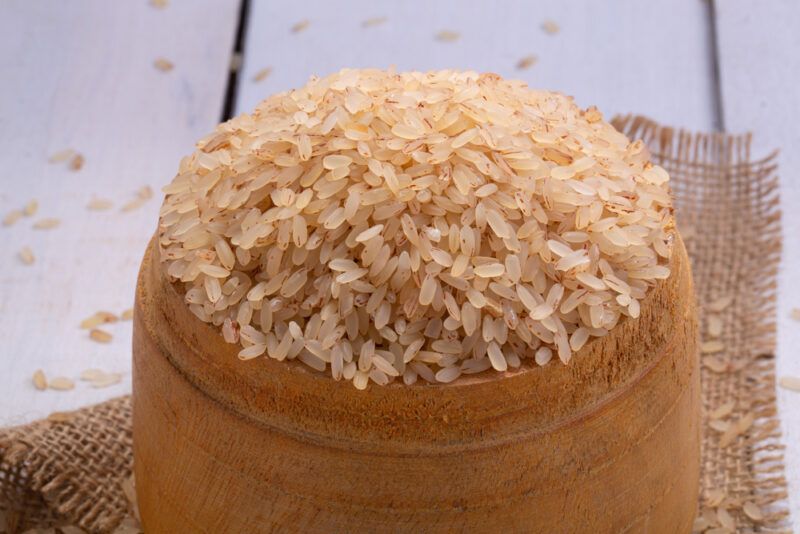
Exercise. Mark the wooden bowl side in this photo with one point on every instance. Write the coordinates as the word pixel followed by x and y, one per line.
pixel 608 443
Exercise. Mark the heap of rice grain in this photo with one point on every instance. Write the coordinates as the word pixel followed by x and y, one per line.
pixel 377 225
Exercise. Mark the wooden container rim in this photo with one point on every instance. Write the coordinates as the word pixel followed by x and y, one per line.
pixel 506 406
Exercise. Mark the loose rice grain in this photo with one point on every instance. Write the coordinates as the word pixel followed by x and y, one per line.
pixel 551 27
pixel 26 256
pixel 300 26
pixel 98 318
pixel 790 382
pixel 76 163
pixel 162 64
pixel 47 223
pixel 101 336
pixel 39 380
pixel 448 36
pixel 12 217
pixel 262 74
pixel 526 62
pixel 31 208
pixel 374 21
pixel 61 383
pixel 99 204
pixel 409 224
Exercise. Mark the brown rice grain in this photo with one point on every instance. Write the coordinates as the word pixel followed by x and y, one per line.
pixel 47 223
pixel 39 380
pixel 26 256
pixel 526 62
pixel 162 64
pixel 300 26
pixel 12 217
pixel 262 74
pixel 61 383
pixel 101 336
pixel 550 27
pixel 448 36
pixel 76 163
pixel 791 383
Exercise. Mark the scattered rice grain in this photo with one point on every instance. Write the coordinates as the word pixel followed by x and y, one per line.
pixel 164 65
pixel 448 36
pixel 374 21
pixel 300 26
pixel 550 27
pixel 711 347
pixel 720 304
pixel 790 382
pixel 752 511
pixel 76 163
pixel 26 256
pixel 61 156
pixel 12 217
pixel 61 383
pixel 526 62
pixel 47 223
pixel 99 204
pixel 262 74
pixel 101 336
pixel 39 380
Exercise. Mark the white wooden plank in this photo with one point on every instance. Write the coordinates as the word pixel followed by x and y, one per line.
pixel 624 56
pixel 759 63
pixel 80 75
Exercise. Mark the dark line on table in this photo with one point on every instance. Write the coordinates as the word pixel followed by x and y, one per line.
pixel 229 105
pixel 716 80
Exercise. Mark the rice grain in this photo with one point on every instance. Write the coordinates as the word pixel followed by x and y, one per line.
pixel 39 380
pixel 101 336
pixel 26 256
pixel 47 223
pixel 61 383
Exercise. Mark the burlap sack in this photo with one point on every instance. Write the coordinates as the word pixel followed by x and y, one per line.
pixel 71 470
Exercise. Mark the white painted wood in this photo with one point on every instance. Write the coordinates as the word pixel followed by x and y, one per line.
pixel 624 55
pixel 759 56
pixel 80 75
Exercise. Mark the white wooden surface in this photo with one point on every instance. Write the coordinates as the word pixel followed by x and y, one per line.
pixel 759 62
pixel 622 55
pixel 80 75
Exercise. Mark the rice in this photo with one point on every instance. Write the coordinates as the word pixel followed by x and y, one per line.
pixel 162 64
pixel 26 256
pixel 46 223
pixel 39 380
pixel 101 336
pixel 381 226
pixel 61 383
pixel 526 62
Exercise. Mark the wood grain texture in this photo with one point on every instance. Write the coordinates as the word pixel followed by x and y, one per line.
pixel 759 62
pixel 610 442
pixel 622 55
pixel 80 75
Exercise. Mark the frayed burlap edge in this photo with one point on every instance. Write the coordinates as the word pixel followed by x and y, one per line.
pixel 68 469
pixel 71 469
pixel 729 215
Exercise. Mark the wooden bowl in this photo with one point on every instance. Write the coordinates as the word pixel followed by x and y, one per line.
pixel 608 443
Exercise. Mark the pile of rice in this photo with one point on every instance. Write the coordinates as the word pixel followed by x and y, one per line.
pixel 376 225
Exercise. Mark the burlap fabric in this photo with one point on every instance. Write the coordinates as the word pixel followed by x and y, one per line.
pixel 71 470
